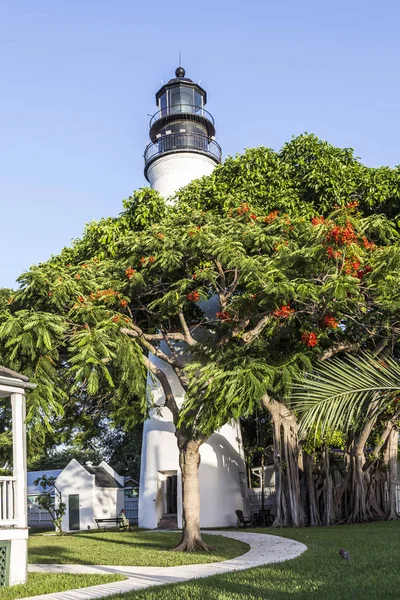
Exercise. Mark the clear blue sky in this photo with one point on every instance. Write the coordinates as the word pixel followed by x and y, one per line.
pixel 78 79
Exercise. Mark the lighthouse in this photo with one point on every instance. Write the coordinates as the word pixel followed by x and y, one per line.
pixel 183 148
pixel 182 134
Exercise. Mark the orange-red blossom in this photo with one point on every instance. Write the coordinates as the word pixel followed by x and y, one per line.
pixel 331 322
pixel 223 316
pixel 193 296
pixel 283 312
pixel 309 339
pixel 271 216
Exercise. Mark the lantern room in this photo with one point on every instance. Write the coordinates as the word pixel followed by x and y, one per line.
pixel 181 123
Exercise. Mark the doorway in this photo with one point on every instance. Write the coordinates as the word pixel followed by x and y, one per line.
pixel 73 512
pixel 171 495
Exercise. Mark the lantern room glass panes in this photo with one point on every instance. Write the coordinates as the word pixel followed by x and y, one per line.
pixel 163 104
pixel 181 99
pixel 198 101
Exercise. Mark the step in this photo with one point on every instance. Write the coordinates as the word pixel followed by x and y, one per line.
pixel 167 523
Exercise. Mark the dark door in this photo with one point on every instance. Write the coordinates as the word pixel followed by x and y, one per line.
pixel 172 494
pixel 73 511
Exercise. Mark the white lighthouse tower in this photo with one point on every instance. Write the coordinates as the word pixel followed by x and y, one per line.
pixel 183 148
pixel 182 134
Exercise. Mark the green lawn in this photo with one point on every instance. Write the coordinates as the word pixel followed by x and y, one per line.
pixel 139 548
pixel 47 583
pixel 319 573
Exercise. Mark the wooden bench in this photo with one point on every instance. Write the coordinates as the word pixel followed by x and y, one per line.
pixel 118 522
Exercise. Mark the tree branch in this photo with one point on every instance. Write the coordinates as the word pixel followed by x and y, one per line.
pixel 163 379
pixel 186 331
pixel 382 440
pixel 159 337
pixel 336 348
pixel 251 335
pixel 137 333
pixel 234 284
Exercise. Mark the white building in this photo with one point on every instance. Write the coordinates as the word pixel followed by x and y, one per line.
pixel 89 492
pixel 183 148
pixel 13 513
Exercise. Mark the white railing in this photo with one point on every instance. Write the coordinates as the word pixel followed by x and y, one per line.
pixel 8 490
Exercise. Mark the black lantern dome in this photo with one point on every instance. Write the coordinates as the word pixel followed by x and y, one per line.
pixel 181 123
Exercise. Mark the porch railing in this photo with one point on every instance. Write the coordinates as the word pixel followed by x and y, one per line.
pixel 8 490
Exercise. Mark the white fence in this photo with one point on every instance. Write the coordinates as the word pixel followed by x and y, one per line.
pixel 132 510
pixel 7 500
pixel 255 499
pixel 38 517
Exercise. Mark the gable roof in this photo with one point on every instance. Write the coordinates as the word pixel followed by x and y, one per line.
pixel 102 478
pixel 128 480
pixel 33 489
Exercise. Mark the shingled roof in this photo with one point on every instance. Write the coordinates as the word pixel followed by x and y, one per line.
pixel 102 477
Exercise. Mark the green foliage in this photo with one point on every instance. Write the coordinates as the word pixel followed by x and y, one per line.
pixel 50 583
pixel 316 440
pixel 339 393
pixel 308 176
pixel 295 231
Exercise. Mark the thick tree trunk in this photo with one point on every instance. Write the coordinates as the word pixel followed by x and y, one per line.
pixel 359 511
pixel 393 443
pixel 189 461
pixel 313 512
pixel 329 513
pixel 286 462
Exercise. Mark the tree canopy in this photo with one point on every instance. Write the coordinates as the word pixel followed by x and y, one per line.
pixel 298 250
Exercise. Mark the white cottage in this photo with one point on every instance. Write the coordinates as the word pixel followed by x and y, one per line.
pixel 90 492
pixel 13 509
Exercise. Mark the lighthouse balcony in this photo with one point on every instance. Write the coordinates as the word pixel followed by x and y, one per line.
pixel 186 112
pixel 182 142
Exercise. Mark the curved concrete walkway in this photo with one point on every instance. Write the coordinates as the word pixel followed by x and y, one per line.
pixel 264 549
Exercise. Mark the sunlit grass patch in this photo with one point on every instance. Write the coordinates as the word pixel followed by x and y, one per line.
pixel 139 548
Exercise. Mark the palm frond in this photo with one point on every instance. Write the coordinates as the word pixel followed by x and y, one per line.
pixel 341 393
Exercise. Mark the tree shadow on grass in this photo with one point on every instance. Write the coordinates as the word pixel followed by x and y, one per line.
pixel 49 554
pixel 156 544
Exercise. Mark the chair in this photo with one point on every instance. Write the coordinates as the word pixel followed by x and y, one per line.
pixel 264 515
pixel 241 520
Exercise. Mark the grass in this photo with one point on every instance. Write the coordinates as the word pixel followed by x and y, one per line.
pixel 320 573
pixel 47 583
pixel 138 548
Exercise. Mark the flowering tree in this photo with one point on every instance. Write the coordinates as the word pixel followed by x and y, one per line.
pixel 298 278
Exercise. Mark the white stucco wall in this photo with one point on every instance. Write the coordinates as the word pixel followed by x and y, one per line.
pixel 169 173
pixel 219 472
pixel 108 502
pixel 18 554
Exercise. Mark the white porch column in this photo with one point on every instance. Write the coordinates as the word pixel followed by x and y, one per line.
pixel 18 406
